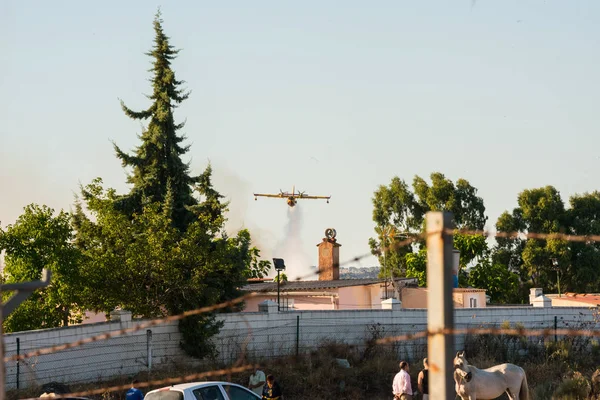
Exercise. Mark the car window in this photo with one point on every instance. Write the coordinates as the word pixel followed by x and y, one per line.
pixel 164 395
pixel 208 393
pixel 239 393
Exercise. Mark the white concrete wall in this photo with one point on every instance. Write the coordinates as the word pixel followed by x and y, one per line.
pixel 122 355
pixel 271 335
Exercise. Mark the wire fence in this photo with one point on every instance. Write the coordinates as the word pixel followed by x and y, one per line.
pixel 97 361
pixel 258 337
pixel 98 354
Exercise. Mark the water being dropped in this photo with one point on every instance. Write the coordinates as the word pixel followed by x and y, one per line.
pixel 291 248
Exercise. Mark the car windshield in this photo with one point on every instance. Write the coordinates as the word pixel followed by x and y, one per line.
pixel 165 395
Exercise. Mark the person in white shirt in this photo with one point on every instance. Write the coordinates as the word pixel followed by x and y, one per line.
pixel 401 387
pixel 257 382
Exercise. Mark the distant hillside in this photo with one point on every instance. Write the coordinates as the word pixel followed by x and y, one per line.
pixel 358 273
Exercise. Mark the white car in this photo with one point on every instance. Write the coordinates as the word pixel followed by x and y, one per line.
pixel 202 391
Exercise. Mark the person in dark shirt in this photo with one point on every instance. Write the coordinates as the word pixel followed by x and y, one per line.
pixel 423 380
pixel 272 391
pixel 133 393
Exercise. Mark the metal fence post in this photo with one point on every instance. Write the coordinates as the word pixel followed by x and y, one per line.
pixel 18 362
pixel 149 348
pixel 440 307
pixel 297 334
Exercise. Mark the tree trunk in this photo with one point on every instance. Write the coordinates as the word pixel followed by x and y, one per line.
pixel 66 316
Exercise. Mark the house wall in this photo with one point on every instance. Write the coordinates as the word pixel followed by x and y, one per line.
pixel 349 298
pixel 417 298
pixel 375 295
pixel 414 297
pixel 272 334
pixel 251 304
pixel 301 302
pixel 563 302
pixel 92 317
pixel 478 296
pixel 315 303
pixel 459 299
pixel 355 298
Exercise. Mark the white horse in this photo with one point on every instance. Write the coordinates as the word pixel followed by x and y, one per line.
pixel 486 384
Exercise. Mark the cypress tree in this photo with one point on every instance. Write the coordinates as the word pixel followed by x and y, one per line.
pixel 159 174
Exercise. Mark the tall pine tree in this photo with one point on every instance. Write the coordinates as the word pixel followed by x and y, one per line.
pixel 159 174
pixel 162 248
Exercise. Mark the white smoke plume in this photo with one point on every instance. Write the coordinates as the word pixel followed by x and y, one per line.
pixel 291 249
pixel 238 192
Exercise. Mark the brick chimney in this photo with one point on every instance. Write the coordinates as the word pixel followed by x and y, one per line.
pixel 329 257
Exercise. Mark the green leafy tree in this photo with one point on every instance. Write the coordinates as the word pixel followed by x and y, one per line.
pixel 542 210
pixel 501 284
pixel 162 248
pixel 581 272
pixel 399 212
pixel 416 265
pixel 539 210
pixel 40 239
pixel 149 267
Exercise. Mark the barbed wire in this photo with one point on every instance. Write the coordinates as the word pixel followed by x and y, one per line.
pixel 526 235
pixel 414 237
pixel 382 341
pixel 157 382
pixel 203 310
pixel 137 327
pixel 491 331
pixel 158 321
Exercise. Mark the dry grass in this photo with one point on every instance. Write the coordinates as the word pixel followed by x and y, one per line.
pixel 317 375
pixel 554 371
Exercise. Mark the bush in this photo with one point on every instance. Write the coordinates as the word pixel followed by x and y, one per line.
pixel 574 387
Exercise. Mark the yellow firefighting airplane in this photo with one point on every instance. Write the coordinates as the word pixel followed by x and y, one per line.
pixel 292 198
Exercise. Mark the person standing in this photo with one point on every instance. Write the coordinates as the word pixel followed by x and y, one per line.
pixel 272 391
pixel 423 380
pixel 257 381
pixel 401 386
pixel 133 393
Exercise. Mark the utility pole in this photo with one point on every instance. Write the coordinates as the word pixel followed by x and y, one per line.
pixel 22 291
pixel 278 283
pixel 279 265
pixel 440 308
pixel 557 269
pixel 385 265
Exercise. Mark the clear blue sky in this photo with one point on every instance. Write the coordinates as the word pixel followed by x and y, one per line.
pixel 501 93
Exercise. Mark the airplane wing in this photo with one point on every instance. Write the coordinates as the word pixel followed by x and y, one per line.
pixel 314 197
pixel 267 195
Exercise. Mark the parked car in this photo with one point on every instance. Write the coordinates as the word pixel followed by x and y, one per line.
pixel 202 391
pixel 55 389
